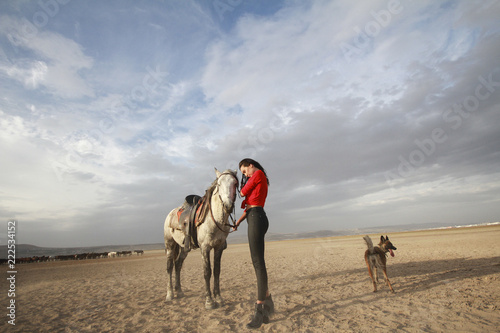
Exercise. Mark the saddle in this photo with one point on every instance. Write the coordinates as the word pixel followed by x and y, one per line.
pixel 187 216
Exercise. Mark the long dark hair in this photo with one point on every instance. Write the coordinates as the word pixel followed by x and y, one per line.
pixel 246 162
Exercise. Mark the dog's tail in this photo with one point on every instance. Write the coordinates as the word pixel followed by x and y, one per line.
pixel 369 243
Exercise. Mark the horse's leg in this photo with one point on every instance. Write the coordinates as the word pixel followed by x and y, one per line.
pixel 207 270
pixel 178 266
pixel 172 250
pixel 217 261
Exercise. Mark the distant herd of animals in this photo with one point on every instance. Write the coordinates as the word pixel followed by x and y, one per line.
pixel 79 256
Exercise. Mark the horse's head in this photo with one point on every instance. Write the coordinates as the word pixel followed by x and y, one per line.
pixel 227 184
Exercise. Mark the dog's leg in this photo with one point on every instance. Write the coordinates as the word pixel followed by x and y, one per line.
pixel 387 279
pixel 368 264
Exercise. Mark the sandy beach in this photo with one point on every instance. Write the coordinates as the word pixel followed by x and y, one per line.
pixel 444 280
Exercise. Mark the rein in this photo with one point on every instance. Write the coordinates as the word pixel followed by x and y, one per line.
pixel 224 211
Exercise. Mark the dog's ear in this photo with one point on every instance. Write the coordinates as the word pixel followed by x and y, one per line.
pixel 382 239
pixel 386 237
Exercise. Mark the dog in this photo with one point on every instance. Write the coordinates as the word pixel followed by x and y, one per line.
pixel 375 257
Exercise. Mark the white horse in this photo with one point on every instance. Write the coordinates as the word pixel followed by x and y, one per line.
pixel 212 232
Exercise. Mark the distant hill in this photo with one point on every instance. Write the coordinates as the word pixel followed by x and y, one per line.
pixel 28 250
pixel 358 231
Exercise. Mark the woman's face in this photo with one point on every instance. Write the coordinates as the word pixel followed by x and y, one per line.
pixel 248 170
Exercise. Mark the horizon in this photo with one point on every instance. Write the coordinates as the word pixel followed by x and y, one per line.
pixel 275 237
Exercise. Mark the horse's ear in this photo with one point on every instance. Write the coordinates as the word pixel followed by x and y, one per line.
pixel 217 172
pixel 235 171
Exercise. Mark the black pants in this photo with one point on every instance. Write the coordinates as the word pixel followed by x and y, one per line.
pixel 257 228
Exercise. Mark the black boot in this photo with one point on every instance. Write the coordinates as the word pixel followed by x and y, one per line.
pixel 269 305
pixel 259 317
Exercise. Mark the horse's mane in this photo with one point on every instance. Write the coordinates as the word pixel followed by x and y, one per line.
pixel 211 188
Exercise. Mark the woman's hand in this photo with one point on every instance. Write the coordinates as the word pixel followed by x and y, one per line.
pixel 237 223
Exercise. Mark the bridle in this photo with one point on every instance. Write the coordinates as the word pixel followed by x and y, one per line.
pixel 225 209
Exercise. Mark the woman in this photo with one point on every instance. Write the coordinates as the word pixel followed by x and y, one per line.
pixel 254 185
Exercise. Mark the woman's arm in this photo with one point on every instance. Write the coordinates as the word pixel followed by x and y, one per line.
pixel 243 216
pixel 252 183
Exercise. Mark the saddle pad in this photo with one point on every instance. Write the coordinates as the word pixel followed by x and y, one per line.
pixel 179 212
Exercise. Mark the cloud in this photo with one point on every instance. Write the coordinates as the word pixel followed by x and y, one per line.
pixel 59 65
pixel 30 74
pixel 351 119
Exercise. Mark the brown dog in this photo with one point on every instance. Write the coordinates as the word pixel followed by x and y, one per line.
pixel 375 257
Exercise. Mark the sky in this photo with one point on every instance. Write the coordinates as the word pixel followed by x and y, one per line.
pixel 363 113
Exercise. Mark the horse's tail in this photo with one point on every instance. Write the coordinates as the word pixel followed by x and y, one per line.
pixel 369 243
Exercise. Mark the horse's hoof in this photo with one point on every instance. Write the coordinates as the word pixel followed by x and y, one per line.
pixel 180 294
pixel 169 297
pixel 211 305
pixel 219 301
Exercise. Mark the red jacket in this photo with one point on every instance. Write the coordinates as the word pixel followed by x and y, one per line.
pixel 255 190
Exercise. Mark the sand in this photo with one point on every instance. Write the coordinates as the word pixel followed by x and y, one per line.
pixel 444 281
